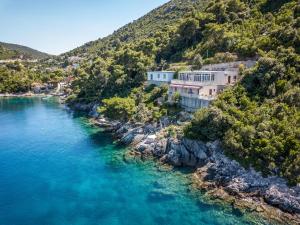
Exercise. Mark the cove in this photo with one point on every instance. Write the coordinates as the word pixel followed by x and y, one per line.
pixel 57 169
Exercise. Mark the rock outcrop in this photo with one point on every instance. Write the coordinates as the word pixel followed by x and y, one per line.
pixel 215 171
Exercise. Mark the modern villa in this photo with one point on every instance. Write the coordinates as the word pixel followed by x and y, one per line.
pixel 198 88
pixel 160 77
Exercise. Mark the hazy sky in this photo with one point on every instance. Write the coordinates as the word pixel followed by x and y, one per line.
pixel 56 26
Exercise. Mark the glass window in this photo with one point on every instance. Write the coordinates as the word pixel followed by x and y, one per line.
pixel 158 76
pixel 165 76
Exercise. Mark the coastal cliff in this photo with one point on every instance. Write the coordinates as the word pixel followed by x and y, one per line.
pixel 220 177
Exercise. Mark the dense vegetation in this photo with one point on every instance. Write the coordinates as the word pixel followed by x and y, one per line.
pixel 117 64
pixel 19 78
pixel 13 51
pixel 8 54
pixel 258 121
pixel 157 23
pixel 143 105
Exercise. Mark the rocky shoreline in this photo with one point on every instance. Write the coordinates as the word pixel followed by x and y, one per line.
pixel 218 176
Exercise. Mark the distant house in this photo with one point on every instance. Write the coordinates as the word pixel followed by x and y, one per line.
pixel 198 88
pixel 160 77
pixel 74 59
pixel 38 88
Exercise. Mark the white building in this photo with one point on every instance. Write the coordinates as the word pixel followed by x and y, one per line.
pixel 160 77
pixel 198 88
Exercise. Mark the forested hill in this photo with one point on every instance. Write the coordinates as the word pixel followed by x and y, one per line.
pixel 14 51
pixel 257 121
pixel 161 19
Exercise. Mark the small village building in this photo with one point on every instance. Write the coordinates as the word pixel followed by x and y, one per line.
pixel 160 77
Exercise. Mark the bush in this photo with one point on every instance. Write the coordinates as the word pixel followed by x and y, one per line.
pixel 118 108
pixel 207 125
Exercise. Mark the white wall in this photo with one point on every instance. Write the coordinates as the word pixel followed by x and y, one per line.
pixel 161 76
pixel 221 77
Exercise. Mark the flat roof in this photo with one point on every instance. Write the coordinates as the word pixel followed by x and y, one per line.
pixel 203 71
pixel 161 72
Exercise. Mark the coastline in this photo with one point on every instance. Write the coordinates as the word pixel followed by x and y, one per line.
pixel 220 178
pixel 29 94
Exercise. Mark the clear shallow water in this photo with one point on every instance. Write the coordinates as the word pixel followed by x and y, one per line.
pixel 56 169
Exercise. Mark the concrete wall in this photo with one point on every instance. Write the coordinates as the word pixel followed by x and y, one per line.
pixel 229 66
pixel 193 104
pixel 157 83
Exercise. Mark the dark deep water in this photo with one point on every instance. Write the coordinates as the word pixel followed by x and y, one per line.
pixel 57 169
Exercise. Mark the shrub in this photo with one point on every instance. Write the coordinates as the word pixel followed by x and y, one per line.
pixel 118 108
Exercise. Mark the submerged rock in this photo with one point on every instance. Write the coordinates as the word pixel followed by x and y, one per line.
pixel 222 177
pixel 159 196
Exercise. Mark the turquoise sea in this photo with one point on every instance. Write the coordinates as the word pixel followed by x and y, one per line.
pixel 57 169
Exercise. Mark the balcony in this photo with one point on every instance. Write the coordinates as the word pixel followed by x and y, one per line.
pixel 192 83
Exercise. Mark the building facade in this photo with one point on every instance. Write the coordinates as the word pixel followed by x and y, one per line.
pixel 160 77
pixel 198 88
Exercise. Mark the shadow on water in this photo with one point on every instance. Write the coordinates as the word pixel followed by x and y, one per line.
pixel 17 104
pixel 113 153
pixel 77 114
pixel 101 139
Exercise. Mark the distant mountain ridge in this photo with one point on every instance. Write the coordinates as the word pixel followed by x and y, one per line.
pixel 159 19
pixel 14 51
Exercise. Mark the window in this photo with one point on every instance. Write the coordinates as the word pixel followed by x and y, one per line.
pixel 229 79
pixel 151 76
pixel 202 78
pixel 210 91
pixel 165 76
pixel 234 78
pixel 158 76
pixel 182 76
pixel 213 77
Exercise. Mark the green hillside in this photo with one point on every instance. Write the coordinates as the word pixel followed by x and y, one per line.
pixel 13 51
pixel 162 19
pixel 258 120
